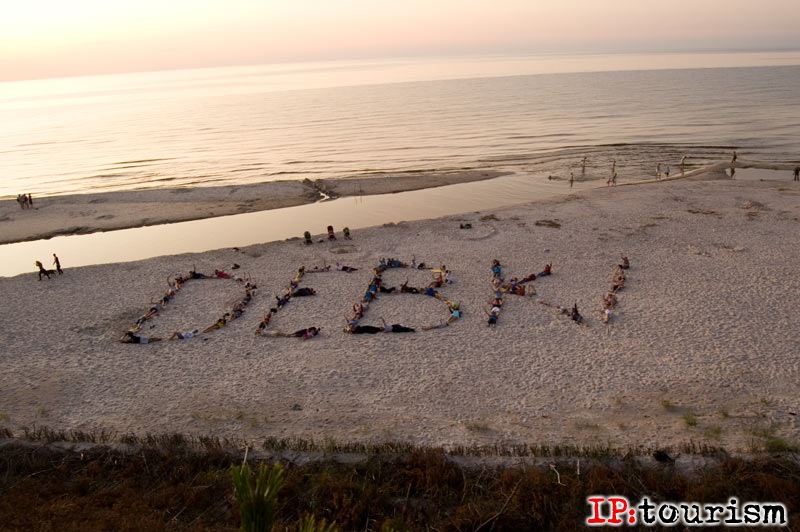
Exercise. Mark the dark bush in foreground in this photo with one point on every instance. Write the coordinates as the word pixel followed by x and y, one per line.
pixel 167 484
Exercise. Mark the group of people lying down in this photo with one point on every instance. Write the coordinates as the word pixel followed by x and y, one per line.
pixel 132 335
pixel 442 276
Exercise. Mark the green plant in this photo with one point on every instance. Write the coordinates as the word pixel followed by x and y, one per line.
pixel 690 419
pixel 257 501
pixel 309 524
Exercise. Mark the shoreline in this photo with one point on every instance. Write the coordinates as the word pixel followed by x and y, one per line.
pixel 80 214
pixel 699 349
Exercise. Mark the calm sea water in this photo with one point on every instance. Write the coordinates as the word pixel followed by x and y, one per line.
pixel 331 120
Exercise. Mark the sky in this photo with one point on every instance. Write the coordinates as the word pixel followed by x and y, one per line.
pixel 58 38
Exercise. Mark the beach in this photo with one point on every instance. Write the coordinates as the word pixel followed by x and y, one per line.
pixel 89 213
pixel 701 346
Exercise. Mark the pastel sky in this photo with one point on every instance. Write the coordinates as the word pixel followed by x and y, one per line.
pixel 54 38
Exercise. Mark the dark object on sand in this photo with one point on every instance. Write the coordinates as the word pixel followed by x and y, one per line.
pixel 662 456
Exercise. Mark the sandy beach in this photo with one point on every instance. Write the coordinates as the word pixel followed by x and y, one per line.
pixel 90 213
pixel 701 346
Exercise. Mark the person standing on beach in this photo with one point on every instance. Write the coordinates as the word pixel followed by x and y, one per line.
pixel 733 159
pixel 57 264
pixel 683 163
pixel 571 179
pixel 797 173
pixel 583 166
pixel 658 171
pixel 666 172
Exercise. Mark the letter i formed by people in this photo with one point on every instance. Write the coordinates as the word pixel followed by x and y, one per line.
pixel 618 506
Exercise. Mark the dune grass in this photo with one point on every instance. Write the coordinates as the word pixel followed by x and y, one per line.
pixel 172 482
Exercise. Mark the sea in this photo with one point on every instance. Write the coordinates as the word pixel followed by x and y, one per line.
pixel 249 124
pixel 521 114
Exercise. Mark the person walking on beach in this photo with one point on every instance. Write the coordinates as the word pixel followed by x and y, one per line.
pixel 583 166
pixel 658 171
pixel 797 173
pixel 733 159
pixel 666 172
pixel 571 179
pixel 683 163
pixel 57 264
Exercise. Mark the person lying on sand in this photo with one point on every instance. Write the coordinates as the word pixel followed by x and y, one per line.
pixel 220 323
pixel 395 328
pixel 193 274
pixel 430 291
pixel 455 311
pixel 177 335
pixel 282 301
pixel 153 311
pixel 363 329
pixel 237 311
pixel 305 334
pixel 342 268
pixel 548 269
pixel 262 326
pixel 303 292
pixel 493 314
pixel 246 280
pixel 132 338
pixel 405 289
pixel 497 271
pixel 618 283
